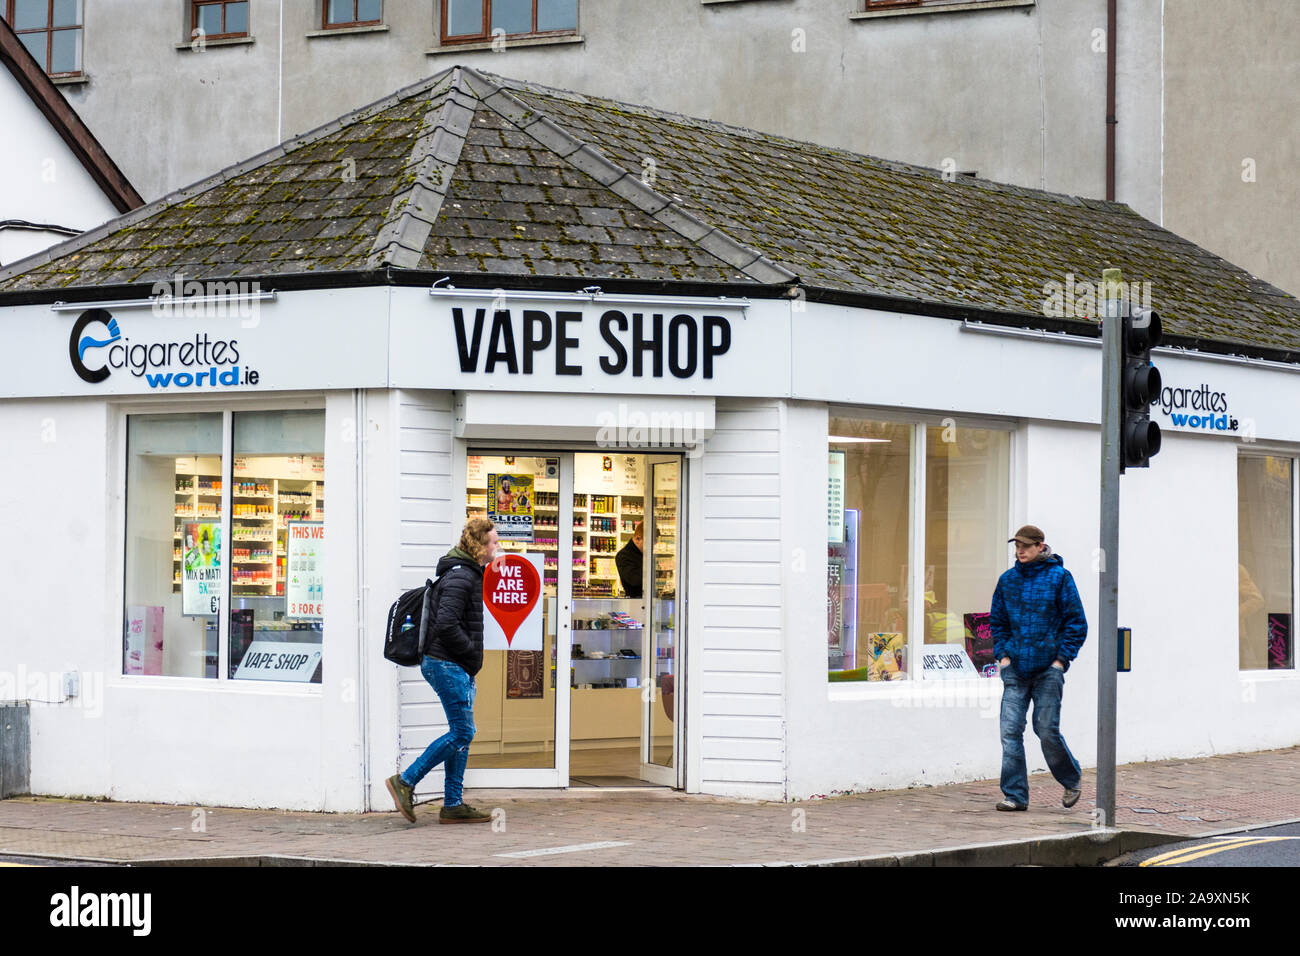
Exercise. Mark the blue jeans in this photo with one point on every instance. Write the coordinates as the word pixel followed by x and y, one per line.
pixel 1045 690
pixel 456 690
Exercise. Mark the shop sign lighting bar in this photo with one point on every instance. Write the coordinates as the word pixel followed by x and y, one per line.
pixel 1067 339
pixel 164 302
pixel 590 294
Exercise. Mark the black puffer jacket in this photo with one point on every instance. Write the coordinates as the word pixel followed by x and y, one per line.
pixel 457 634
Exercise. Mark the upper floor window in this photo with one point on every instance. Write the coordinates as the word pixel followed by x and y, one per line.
pixel 217 20
pixel 352 13
pixel 464 20
pixel 51 31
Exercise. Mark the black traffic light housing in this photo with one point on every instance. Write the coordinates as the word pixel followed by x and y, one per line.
pixel 1139 387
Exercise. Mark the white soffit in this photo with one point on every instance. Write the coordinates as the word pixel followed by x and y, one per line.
pixel 641 421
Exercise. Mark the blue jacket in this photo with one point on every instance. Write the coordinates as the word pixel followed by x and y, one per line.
pixel 1037 616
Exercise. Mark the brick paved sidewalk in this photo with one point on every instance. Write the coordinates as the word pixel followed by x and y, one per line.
pixel 661 827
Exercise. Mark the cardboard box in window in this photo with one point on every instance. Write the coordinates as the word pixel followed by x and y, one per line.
pixel 979 643
pixel 144 639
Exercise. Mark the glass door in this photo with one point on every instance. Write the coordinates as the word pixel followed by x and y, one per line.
pixel 660 658
pixel 521 710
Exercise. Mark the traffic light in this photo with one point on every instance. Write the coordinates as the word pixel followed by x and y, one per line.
pixel 1139 386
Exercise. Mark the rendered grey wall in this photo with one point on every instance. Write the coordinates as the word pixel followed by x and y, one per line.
pixel 1232 95
pixel 1015 92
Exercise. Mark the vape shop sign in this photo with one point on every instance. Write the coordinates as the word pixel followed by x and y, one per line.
pixel 512 604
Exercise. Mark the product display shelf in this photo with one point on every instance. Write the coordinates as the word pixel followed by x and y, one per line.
pixel 611 669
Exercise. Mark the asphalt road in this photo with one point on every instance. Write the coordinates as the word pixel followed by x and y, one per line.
pixel 1268 846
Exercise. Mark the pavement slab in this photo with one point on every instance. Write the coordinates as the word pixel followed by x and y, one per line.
pixel 659 827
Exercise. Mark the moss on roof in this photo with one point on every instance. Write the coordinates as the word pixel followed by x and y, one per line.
pixel 470 172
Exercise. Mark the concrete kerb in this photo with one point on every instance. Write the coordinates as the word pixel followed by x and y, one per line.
pixel 1093 848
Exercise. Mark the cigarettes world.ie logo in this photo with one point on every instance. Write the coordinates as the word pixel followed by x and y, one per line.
pixel 203 361
pixel 79 342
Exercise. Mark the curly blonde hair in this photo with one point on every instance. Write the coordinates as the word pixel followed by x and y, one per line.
pixel 474 539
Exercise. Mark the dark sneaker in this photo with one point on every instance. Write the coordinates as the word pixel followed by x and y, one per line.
pixel 1010 805
pixel 1070 798
pixel 402 794
pixel 463 813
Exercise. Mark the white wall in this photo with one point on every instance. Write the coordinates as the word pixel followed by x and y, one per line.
pixel 735 604
pixel 41 180
pixel 429 524
pixel 1185 696
pixel 165 739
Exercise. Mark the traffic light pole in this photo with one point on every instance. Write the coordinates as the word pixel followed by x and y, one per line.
pixel 1108 565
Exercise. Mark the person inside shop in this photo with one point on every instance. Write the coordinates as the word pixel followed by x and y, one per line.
pixel 630 562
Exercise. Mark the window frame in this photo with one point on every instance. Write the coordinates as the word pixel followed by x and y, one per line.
pixel 918 423
pixel 1261 451
pixel 195 5
pixel 49 30
pixel 119 515
pixel 348 24
pixel 486 33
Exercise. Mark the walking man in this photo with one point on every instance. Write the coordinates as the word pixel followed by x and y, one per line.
pixel 1038 627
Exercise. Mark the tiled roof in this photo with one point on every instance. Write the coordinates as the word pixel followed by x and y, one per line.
pixel 469 172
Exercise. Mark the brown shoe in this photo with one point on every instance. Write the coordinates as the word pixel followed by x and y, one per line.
pixel 402 794
pixel 463 813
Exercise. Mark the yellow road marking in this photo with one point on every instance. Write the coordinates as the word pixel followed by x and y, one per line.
pixel 1189 853
pixel 16 864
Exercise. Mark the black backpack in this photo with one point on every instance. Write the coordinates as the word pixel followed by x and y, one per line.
pixel 402 644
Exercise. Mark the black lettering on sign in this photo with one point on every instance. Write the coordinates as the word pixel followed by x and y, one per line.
pixel 619 363
pixel 715 345
pixel 564 342
pixel 654 345
pixel 534 318
pixel 679 324
pixel 468 350
pixel 501 347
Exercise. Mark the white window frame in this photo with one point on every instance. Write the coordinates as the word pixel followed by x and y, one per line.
pixel 117 445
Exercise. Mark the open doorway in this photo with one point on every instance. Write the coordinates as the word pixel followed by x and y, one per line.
pixel 600 705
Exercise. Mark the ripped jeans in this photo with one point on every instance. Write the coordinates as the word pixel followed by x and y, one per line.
pixel 456 690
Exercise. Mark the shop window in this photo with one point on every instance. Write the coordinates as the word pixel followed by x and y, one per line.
pixel 1265 562
pixel 882 498
pixel 50 30
pixel 464 20
pixel 277 543
pixel 186 559
pixel 173 545
pixel 351 13
pixel 867 550
pixel 218 20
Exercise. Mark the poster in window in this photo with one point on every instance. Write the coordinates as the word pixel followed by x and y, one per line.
pixel 523 674
pixel 510 506
pixel 835 498
pixel 201 579
pixel 835 605
pixel 305 589
pixel 1280 647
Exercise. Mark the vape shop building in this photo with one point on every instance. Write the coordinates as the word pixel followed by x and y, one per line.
pixel 761 414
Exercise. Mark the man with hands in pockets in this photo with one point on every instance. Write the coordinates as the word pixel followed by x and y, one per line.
pixel 1038 627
